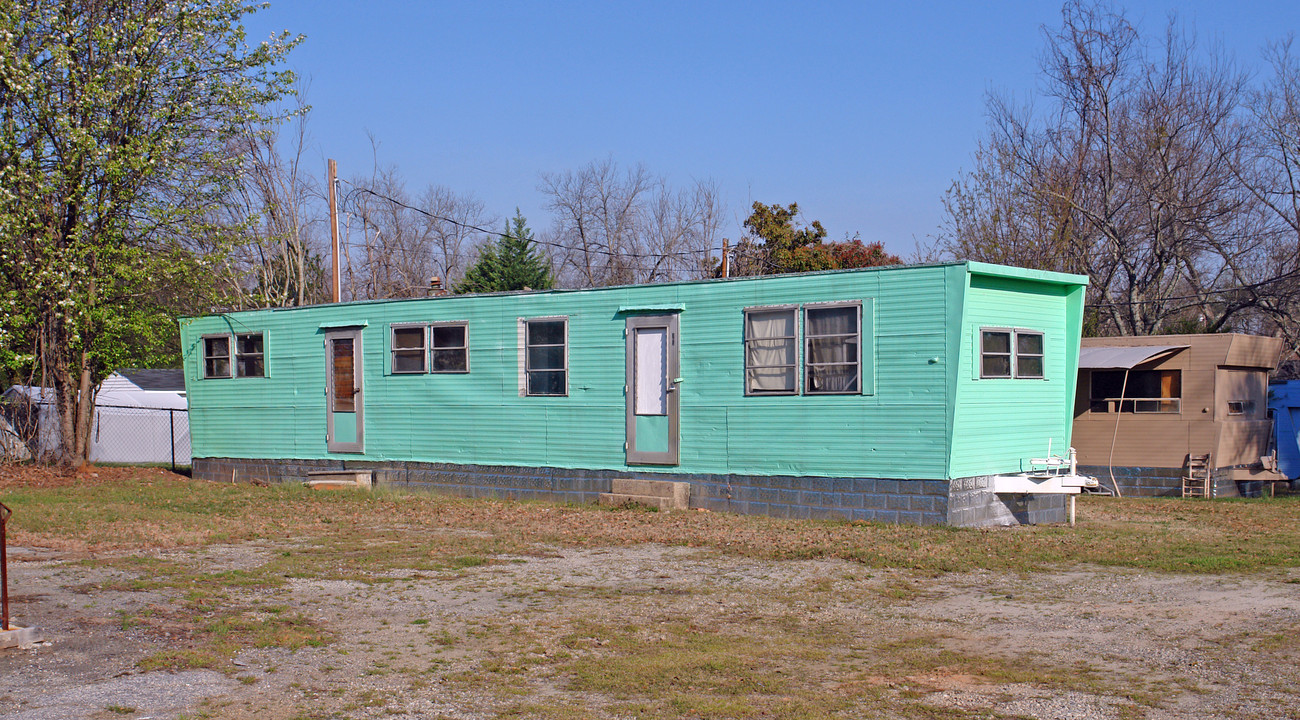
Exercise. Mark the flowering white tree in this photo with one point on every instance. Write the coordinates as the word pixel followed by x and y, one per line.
pixel 115 124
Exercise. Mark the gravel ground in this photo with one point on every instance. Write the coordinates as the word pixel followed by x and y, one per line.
pixel 1155 646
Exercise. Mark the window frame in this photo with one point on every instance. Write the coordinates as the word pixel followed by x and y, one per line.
pixel 233 354
pixel 229 356
pixel 807 363
pixel 432 349
pixel 393 349
pixel 1013 353
pixel 527 366
pixel 795 340
pixel 239 356
pixel 1041 355
pixel 1010 354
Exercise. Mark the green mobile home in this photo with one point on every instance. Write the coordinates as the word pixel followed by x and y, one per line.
pixel 896 394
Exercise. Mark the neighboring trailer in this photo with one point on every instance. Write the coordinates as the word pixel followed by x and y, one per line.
pixel 859 394
pixel 1146 404
pixel 1284 402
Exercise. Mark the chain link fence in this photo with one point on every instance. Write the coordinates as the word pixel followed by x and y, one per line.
pixel 119 434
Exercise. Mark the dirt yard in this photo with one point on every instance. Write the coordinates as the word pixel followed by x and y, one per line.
pixel 424 615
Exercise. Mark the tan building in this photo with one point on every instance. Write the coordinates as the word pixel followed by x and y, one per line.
pixel 1145 405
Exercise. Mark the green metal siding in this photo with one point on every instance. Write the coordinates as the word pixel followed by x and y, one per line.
pixel 901 430
pixel 1001 422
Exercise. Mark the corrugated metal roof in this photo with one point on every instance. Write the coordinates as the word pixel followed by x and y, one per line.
pixel 1122 358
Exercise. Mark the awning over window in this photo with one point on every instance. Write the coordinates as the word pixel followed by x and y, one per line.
pixel 1123 358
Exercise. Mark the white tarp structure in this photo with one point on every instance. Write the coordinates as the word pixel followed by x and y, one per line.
pixel 140 416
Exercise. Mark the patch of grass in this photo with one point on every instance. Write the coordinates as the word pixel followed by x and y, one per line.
pixel 779 651
pixel 180 659
pixel 119 709
pixel 357 536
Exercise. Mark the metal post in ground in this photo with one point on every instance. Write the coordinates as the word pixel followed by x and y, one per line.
pixel 5 512
pixel 171 421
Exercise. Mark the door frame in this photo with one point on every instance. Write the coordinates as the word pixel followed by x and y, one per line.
pixel 358 396
pixel 672 370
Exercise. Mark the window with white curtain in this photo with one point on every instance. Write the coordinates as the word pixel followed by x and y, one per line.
pixel 770 351
pixel 832 347
pixel 831 343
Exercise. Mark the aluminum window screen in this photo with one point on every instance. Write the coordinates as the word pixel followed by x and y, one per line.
pixel 833 342
pixel 450 348
pixel 770 351
pixel 408 349
pixel 995 354
pixel 250 360
pixel 1029 354
pixel 216 357
pixel 545 357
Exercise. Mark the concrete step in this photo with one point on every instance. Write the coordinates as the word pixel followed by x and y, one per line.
pixel 678 492
pixel 339 479
pixel 16 636
pixel 662 494
pixel 617 499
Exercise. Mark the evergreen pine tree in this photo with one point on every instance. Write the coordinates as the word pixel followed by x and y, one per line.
pixel 510 263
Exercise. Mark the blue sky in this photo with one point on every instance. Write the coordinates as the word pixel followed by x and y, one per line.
pixel 863 113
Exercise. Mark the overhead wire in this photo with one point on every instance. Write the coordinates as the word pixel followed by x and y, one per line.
pixel 762 260
pixel 549 243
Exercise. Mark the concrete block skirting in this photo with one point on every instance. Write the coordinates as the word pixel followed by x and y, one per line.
pixel 1164 482
pixel 964 502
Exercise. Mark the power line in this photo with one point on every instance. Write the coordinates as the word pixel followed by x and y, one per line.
pixel 476 228
pixel 762 260
pixel 1203 295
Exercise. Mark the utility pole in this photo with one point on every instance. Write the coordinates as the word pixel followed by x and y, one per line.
pixel 726 259
pixel 336 296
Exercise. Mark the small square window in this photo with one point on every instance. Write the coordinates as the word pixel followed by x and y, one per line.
pixel 1008 353
pixel 1029 354
pixel 408 349
pixel 216 356
pixel 995 354
pixel 450 343
pixel 250 360
pixel 546 357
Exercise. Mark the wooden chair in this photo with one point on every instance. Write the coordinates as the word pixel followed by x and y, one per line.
pixel 1196 480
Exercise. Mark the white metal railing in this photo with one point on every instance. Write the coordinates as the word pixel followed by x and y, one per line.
pixel 1136 405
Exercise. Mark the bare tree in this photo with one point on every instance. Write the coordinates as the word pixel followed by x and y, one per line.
pixel 615 228
pixel 275 210
pixel 405 241
pixel 1270 171
pixel 452 225
pixel 1127 177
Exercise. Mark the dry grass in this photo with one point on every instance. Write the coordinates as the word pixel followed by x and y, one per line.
pixel 819 646
pixel 149 508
